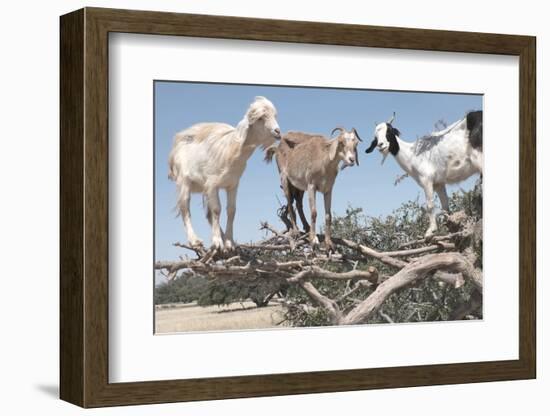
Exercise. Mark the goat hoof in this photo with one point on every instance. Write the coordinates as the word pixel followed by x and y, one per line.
pixel 429 235
pixel 229 245
pixel 294 232
pixel 329 245
pixel 314 243
pixel 444 216
pixel 195 242
pixel 217 243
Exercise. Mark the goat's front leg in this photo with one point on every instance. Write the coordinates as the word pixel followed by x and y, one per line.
pixel 213 215
pixel 429 192
pixel 443 198
pixel 231 209
pixel 313 208
pixel 328 220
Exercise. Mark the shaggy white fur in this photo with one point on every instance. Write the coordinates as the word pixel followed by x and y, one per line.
pixel 208 157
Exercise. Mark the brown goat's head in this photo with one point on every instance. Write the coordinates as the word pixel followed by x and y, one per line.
pixel 345 146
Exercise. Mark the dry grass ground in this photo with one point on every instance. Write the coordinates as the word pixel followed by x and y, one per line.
pixel 190 317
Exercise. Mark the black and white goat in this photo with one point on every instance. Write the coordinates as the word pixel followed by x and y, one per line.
pixel 444 157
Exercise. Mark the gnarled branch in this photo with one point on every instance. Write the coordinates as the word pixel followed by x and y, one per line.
pixel 450 262
pixel 449 259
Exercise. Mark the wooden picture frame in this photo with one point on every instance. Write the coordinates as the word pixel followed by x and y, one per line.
pixel 84 207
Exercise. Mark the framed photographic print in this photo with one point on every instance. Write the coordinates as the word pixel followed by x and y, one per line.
pixel 255 207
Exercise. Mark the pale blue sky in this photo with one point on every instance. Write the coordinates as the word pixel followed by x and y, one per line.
pixel 370 186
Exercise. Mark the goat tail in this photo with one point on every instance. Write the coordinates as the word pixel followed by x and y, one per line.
pixel 180 139
pixel 172 168
pixel 269 153
pixel 172 174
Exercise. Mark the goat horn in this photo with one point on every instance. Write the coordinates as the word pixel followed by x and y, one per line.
pixel 336 129
pixel 392 118
pixel 356 134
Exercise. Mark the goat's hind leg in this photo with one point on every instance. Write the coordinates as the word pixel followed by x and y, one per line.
pixel 289 200
pixel 477 161
pixel 328 221
pixel 231 209
pixel 299 198
pixel 428 190
pixel 441 191
pixel 213 216
pixel 313 208
pixel 183 204
pixel 444 200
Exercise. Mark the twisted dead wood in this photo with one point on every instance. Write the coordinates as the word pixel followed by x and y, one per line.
pixel 438 259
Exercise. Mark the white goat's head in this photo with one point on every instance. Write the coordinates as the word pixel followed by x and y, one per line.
pixel 385 139
pixel 345 146
pixel 262 120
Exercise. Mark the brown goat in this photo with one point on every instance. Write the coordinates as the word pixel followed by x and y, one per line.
pixel 309 162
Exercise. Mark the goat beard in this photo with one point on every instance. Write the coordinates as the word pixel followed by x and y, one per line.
pixel 346 165
pixel 384 156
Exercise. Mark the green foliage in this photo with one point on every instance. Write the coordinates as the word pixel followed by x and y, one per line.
pixel 207 292
pixel 226 291
pixel 471 202
pixel 183 290
pixel 429 300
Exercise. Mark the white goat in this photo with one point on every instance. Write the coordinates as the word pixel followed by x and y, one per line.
pixel 445 157
pixel 210 156
pixel 309 162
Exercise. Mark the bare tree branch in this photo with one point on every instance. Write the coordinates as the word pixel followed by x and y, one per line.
pixel 456 280
pixel 449 259
pixel 386 317
pixel 451 262
pixel 327 303
pixel 358 286
pixel 367 251
pixel 433 239
pixel 399 178
pixel 316 272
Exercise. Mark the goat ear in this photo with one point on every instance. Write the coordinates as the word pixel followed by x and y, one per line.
pixel 356 134
pixel 372 145
pixel 333 148
pixel 290 143
pixel 253 115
